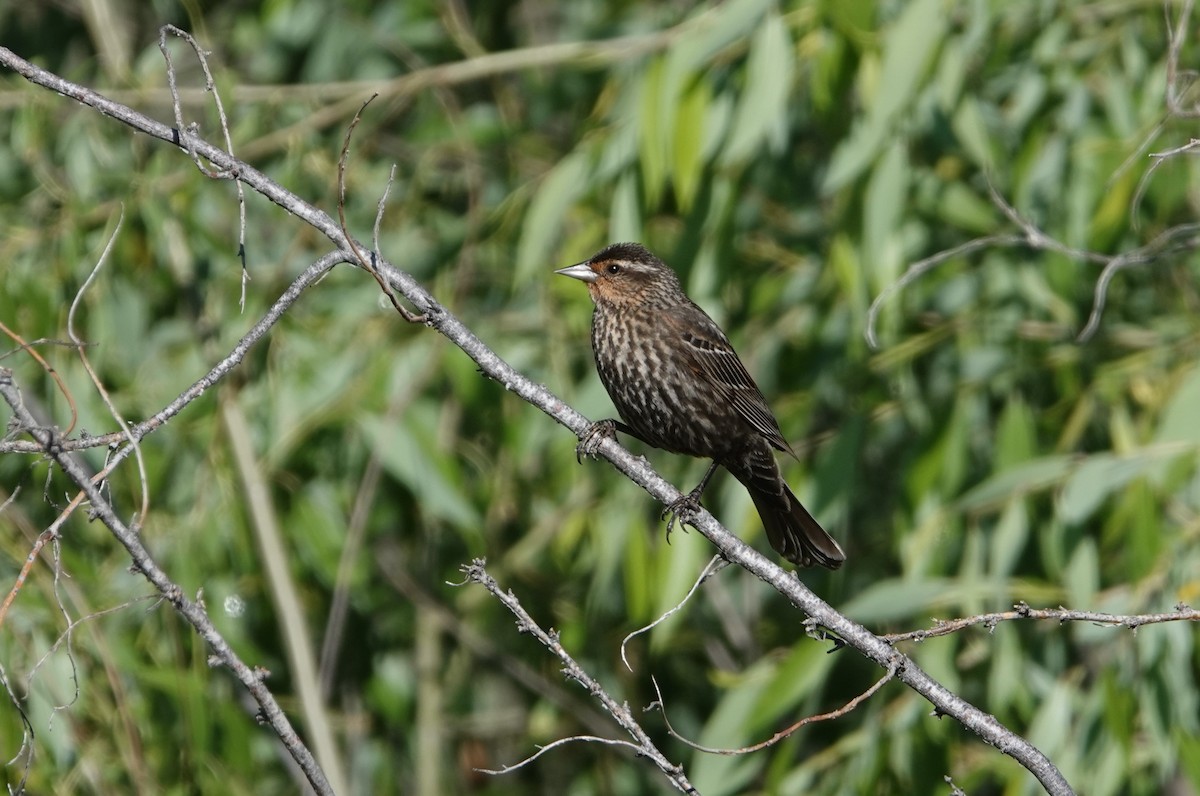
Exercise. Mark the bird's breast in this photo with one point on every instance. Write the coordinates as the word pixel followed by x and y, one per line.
pixel 648 373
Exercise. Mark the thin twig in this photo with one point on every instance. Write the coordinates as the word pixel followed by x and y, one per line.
pixel 944 627
pixel 506 769
pixel 379 212
pixel 310 276
pixel 921 267
pixel 210 88
pixel 476 573
pixel 661 705
pixel 1165 243
pixel 715 565
pixel 62 387
pixel 1178 238
pixel 66 638
pixel 368 266
pixel 27 735
pixel 81 349
pixel 191 611
pixel 50 534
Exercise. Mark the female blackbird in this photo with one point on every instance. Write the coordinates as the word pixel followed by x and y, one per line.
pixel 679 385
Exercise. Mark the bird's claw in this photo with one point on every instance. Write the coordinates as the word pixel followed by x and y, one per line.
pixel 682 510
pixel 589 441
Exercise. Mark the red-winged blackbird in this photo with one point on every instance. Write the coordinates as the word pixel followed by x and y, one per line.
pixel 679 385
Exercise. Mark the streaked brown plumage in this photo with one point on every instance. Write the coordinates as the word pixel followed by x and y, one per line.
pixel 679 385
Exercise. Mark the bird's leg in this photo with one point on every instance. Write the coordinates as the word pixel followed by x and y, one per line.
pixel 589 440
pixel 688 504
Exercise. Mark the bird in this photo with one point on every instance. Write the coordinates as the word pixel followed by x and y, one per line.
pixel 678 385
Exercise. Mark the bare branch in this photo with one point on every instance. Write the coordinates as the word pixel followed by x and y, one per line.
pixel 921 267
pixel 210 87
pixel 476 573
pixel 855 635
pixel 191 611
pixel 376 256
pixel 944 627
pixel 1181 237
pixel 1177 238
pixel 1177 85
pixel 310 276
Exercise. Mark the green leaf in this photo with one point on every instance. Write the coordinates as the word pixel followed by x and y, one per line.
pixel 687 151
pixel 883 207
pixel 1050 729
pixel 1009 538
pixel 907 52
pixel 1181 419
pixel 761 116
pixel 1016 434
pixel 1104 474
pixel 1032 476
pixel 1082 575
pixel 717 29
pixel 972 133
pixel 893 599
pixel 624 216
pixel 729 726
pixel 679 564
pixel 405 453
pixel 1089 485
pixel 655 108
pixel 544 220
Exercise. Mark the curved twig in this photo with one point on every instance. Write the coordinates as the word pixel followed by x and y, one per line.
pixel 661 705
pixel 715 565
pixel 81 349
pixel 506 769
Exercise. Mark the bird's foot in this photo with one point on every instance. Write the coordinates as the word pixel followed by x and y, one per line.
pixel 589 441
pixel 682 510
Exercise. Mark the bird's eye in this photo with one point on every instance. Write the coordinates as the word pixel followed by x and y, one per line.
pixel 613 268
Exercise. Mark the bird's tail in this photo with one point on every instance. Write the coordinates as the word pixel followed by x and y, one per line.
pixel 791 530
pixel 794 533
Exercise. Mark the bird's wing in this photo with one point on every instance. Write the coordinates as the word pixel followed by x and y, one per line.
pixel 712 358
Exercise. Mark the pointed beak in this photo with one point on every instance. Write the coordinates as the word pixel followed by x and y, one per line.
pixel 581 271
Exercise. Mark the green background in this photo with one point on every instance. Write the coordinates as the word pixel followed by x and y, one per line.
pixel 789 160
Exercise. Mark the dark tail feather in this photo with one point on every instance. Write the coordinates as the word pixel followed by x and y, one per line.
pixel 793 532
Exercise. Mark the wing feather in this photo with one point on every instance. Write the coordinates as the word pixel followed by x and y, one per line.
pixel 714 360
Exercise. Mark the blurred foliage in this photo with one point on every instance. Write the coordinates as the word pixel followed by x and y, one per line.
pixel 789 159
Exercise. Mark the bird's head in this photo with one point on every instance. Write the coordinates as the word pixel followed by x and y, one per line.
pixel 627 274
